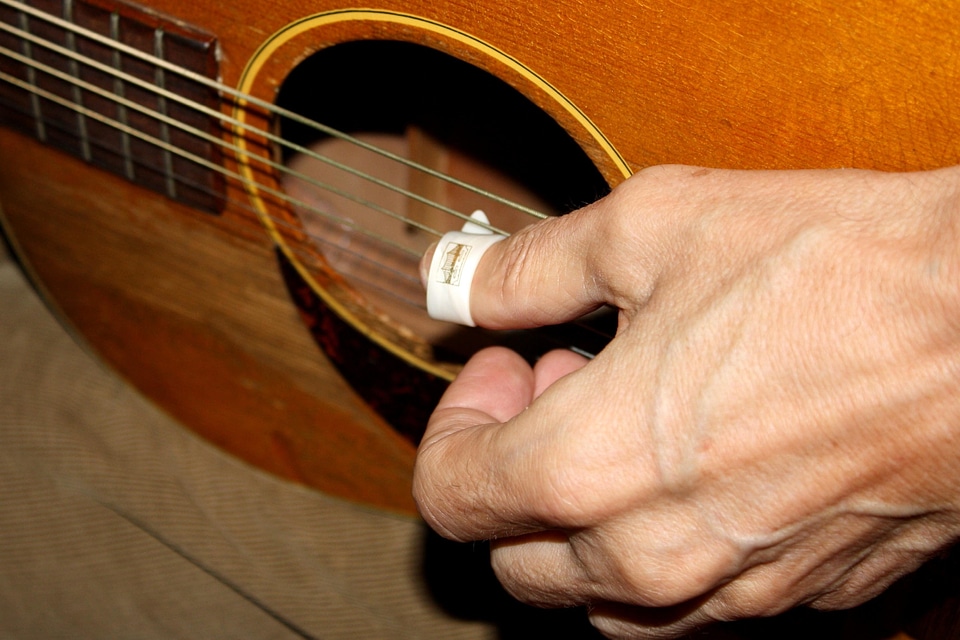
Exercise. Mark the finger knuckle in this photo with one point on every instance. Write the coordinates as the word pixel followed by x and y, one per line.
pixel 667 582
pixel 662 588
pixel 635 220
pixel 528 581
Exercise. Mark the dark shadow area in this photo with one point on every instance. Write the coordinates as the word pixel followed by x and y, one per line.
pixel 462 582
pixel 925 605
pixel 386 87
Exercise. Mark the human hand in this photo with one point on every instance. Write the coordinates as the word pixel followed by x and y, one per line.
pixel 776 423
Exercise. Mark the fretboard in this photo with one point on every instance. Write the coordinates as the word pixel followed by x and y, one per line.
pixel 103 104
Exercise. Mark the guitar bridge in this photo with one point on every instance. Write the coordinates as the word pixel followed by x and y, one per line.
pixel 119 88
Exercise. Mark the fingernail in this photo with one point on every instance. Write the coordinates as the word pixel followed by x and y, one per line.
pixel 425 263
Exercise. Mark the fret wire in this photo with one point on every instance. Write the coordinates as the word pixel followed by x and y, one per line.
pixel 159 80
pixel 203 135
pixel 276 110
pixel 266 134
pixel 118 90
pixel 279 195
pixel 74 68
pixel 35 107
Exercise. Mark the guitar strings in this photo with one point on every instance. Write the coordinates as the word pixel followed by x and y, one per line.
pixel 72 104
pixel 72 28
pixel 379 286
pixel 331 246
pixel 252 156
pixel 210 138
pixel 239 125
pixel 203 135
pixel 260 160
pixel 241 98
pixel 409 275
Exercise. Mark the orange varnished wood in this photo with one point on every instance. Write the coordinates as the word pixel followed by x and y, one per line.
pixel 803 83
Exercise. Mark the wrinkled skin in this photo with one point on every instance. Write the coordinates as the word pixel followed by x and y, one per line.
pixel 776 423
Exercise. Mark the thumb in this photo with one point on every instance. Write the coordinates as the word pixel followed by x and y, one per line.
pixel 563 267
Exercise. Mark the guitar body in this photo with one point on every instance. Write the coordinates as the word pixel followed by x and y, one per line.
pixel 192 308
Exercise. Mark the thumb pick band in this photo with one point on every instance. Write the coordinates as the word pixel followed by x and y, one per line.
pixel 452 268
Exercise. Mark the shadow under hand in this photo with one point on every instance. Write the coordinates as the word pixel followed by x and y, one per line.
pixel 921 606
pixel 461 581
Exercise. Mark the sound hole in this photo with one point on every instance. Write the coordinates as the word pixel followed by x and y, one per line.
pixel 455 119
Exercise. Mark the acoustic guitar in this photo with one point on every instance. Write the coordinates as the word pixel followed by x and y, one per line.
pixel 227 201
